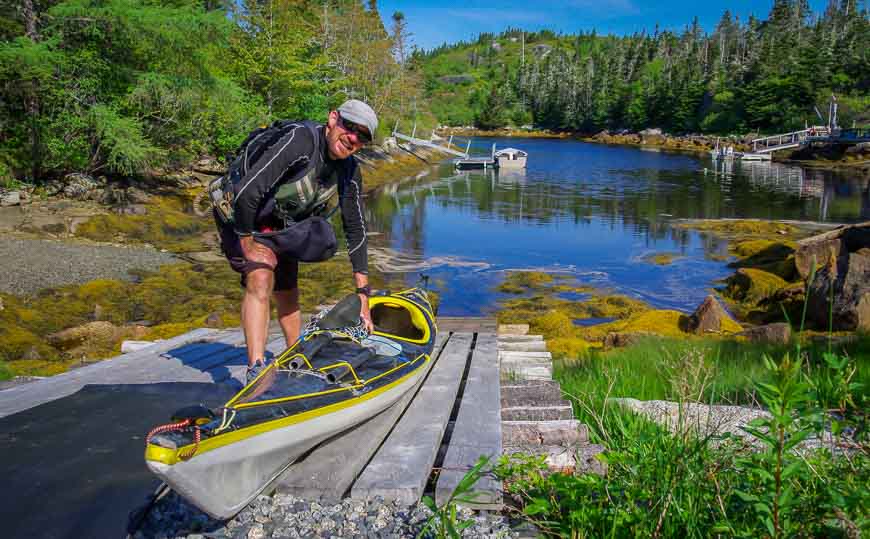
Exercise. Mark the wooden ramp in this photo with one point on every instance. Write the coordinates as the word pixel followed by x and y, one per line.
pixel 444 424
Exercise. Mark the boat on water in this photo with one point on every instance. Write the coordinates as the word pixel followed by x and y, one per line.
pixel 511 158
pixel 334 377
pixel 723 154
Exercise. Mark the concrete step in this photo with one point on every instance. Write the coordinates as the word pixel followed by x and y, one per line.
pixel 528 346
pixel 513 373
pixel 536 413
pixel 519 338
pixel 521 385
pixel 558 432
pixel 540 394
pixel 525 356
pixel 581 458
pixel 513 329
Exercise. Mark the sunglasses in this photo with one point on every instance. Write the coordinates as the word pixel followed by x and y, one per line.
pixel 362 133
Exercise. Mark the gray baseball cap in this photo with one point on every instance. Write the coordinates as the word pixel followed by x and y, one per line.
pixel 360 113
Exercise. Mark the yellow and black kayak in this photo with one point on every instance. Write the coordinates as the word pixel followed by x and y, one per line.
pixel 333 378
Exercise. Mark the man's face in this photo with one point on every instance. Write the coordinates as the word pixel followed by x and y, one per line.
pixel 343 138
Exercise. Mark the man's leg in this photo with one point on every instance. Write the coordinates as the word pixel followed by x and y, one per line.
pixel 289 315
pixel 255 311
pixel 287 297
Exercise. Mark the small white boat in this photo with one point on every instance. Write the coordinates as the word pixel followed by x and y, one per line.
pixel 728 153
pixel 332 379
pixel 511 158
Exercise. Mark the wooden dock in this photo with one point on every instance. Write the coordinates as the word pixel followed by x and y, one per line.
pixel 483 394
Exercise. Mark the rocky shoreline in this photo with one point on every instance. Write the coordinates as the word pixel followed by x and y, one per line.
pixel 856 157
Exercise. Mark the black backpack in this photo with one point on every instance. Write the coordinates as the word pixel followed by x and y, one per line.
pixel 255 145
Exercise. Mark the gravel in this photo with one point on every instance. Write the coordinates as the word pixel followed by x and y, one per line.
pixel 284 515
pixel 29 265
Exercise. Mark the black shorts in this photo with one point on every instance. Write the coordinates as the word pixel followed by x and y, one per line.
pixel 286 272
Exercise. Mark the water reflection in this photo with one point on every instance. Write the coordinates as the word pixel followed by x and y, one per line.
pixel 593 211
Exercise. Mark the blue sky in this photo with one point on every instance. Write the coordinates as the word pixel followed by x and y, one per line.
pixel 433 23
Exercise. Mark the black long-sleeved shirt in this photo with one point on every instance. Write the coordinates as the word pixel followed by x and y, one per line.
pixel 294 151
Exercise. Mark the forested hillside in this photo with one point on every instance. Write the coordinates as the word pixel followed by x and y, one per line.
pixel 744 75
pixel 121 87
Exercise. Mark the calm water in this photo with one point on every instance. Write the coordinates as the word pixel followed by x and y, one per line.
pixel 592 212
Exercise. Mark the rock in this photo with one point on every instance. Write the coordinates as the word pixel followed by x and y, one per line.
pixel 80 186
pixel 213 320
pixel 133 209
pixel 711 317
pixel 616 339
pixel 209 165
pixel 824 247
pixel 779 333
pixel 848 280
pixel 32 353
pixel 10 198
pixel 753 285
pixel 651 132
pixel 92 331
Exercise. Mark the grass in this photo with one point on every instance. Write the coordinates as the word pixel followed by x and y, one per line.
pixel 647 370
pixel 681 484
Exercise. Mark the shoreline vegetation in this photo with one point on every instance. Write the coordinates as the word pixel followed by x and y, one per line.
pixel 62 327
pixel 855 158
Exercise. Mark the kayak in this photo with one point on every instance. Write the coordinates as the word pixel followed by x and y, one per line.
pixel 333 378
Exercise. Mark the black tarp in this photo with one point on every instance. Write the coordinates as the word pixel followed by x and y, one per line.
pixel 75 467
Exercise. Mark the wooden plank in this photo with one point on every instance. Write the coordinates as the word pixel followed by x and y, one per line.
pixel 328 472
pixel 400 468
pixel 110 371
pixel 477 430
pixel 465 324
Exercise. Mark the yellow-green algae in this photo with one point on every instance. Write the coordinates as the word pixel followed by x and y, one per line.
pixel 752 286
pixel 554 317
pixel 743 228
pixel 168 223
pixel 519 282
pixel 660 259
pixel 174 300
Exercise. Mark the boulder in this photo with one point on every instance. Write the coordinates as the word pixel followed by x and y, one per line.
pixel 616 339
pixel 711 317
pixel 10 198
pixel 209 165
pixel 214 320
pixel 779 333
pixel 753 285
pixel 80 187
pixel 98 331
pixel 847 281
pixel 830 245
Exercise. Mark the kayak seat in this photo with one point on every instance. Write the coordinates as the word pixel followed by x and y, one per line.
pixel 399 319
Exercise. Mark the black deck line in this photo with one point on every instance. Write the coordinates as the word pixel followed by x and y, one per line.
pixel 75 467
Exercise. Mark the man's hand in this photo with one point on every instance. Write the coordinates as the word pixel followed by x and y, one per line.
pixel 257 252
pixel 365 314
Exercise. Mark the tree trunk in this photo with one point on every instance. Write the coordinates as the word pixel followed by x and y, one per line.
pixel 32 97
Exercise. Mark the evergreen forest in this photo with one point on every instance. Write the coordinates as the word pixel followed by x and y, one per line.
pixel 125 87
pixel 750 75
